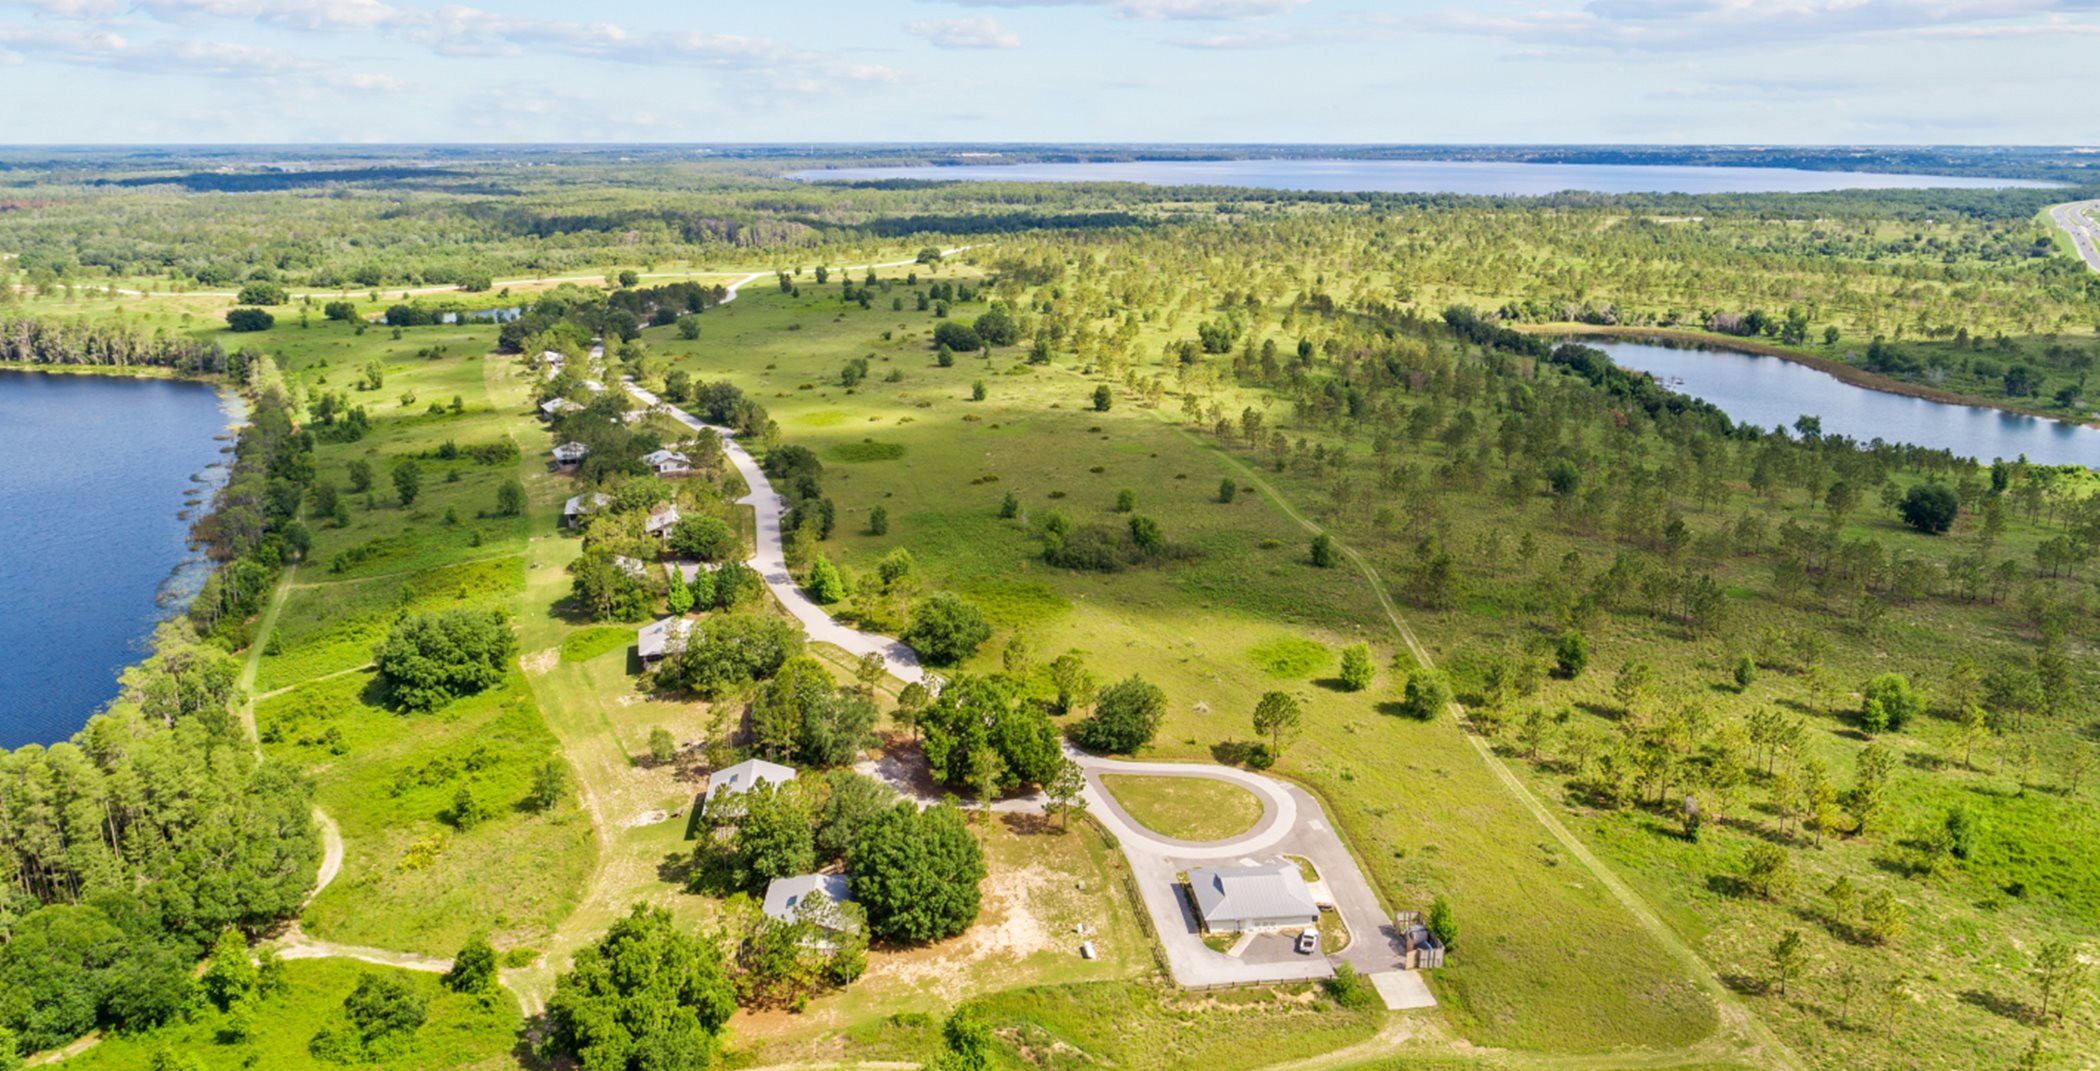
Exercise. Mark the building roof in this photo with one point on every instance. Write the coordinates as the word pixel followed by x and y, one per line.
pixel 745 776
pixel 1248 893
pixel 689 571
pixel 785 895
pixel 582 504
pixel 554 406
pixel 661 518
pixel 571 452
pixel 658 459
pixel 631 566
pixel 654 640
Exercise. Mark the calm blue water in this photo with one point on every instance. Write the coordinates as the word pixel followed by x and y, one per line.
pixel 91 492
pixel 1767 391
pixel 1489 178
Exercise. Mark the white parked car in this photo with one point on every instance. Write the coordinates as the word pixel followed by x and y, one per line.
pixel 1308 943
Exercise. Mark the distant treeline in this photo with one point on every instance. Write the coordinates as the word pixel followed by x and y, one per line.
pixel 27 341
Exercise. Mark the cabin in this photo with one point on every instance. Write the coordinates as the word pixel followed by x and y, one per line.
pixel 661 520
pixel 576 509
pixel 570 454
pixel 554 407
pixel 667 462
pixel 631 566
pixel 657 641
pixel 816 896
pixel 724 785
pixel 1253 899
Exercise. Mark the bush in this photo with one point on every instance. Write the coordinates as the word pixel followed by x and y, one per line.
pixel 1571 655
pixel 261 293
pixel 917 873
pixel 1126 717
pixel 703 537
pixel 1357 670
pixel 1929 507
pixel 385 1007
pixel 1442 923
pixel 430 659
pixel 249 320
pixel 958 337
pixel 1322 552
pixel 1426 696
pixel 1890 703
pixel 474 969
pixel 1352 990
pixel 945 630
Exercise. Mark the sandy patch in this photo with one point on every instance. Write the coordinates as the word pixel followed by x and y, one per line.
pixel 1007 929
pixel 539 662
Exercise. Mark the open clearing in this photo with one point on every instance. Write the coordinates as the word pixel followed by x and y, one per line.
pixel 1186 808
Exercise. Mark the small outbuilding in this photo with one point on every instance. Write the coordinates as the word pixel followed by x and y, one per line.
pixel 554 407
pixel 631 566
pixel 571 453
pixel 1244 899
pixel 661 520
pixel 743 777
pixel 667 462
pixel 656 641
pixel 576 509
pixel 785 897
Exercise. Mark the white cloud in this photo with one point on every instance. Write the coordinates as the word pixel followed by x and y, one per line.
pixel 1695 25
pixel 376 83
pixel 983 32
pixel 286 14
pixel 1158 9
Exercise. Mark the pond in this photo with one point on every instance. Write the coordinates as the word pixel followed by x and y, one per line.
pixel 100 474
pixel 1484 177
pixel 1770 391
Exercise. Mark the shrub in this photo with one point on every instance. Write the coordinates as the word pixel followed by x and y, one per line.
pixel 1890 703
pixel 249 320
pixel 474 968
pixel 430 659
pixel 945 630
pixel 1426 696
pixel 957 337
pixel 1322 552
pixel 1571 655
pixel 1357 670
pixel 1351 990
pixel 703 537
pixel 1126 717
pixel 261 293
pixel 1929 507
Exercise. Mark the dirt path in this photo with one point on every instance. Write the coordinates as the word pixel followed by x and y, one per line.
pixel 1766 1045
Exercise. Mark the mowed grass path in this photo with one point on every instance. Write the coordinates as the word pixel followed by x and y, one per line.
pixel 1186 808
pixel 1549 960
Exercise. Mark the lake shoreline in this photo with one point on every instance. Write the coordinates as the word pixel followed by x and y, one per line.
pixel 1836 369
pixel 172 593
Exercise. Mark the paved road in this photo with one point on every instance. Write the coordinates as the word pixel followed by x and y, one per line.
pixel 2077 220
pixel 770 561
pixel 1292 823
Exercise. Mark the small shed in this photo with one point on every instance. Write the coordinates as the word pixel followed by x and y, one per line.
pixel 667 637
pixel 570 453
pixel 554 407
pixel 743 777
pixel 577 508
pixel 661 520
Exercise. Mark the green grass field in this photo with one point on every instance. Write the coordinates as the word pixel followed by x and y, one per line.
pixel 1186 808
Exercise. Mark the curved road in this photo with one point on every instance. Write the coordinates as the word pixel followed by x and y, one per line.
pixel 2078 220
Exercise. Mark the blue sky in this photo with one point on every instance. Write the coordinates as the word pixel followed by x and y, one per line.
pixel 1776 71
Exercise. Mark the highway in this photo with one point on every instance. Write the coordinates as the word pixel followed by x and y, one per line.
pixel 2076 219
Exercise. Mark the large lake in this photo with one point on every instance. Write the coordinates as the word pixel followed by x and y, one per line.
pixel 92 493
pixel 1490 178
pixel 1768 391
